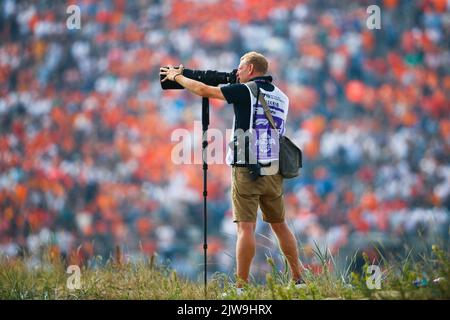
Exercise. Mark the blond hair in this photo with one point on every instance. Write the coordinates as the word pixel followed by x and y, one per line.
pixel 258 61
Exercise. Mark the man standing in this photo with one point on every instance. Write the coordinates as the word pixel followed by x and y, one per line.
pixel 249 192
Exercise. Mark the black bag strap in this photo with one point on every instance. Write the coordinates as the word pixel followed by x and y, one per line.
pixel 255 91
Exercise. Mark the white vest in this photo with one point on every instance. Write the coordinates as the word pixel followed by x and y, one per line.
pixel 264 142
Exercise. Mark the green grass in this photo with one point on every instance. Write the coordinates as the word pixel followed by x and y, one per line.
pixel 146 280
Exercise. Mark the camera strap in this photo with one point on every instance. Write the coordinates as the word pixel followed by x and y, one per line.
pixel 256 92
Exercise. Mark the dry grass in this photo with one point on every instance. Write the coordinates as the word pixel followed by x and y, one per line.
pixel 145 280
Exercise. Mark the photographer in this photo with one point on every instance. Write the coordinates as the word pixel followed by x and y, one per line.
pixel 252 184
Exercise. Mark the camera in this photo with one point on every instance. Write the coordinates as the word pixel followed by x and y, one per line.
pixel 208 77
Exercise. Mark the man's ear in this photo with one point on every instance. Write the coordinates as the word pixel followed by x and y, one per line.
pixel 250 69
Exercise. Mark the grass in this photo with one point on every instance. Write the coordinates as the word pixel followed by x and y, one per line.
pixel 146 280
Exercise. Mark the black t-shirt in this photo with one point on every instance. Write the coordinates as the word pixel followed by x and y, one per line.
pixel 239 95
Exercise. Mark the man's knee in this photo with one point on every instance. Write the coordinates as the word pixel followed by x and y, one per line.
pixel 279 227
pixel 246 228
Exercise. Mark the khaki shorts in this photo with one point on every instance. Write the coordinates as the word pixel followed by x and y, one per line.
pixel 247 195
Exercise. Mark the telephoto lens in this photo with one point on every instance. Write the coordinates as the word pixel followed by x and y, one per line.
pixel 208 77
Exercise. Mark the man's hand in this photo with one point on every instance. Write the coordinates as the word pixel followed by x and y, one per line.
pixel 196 87
pixel 170 72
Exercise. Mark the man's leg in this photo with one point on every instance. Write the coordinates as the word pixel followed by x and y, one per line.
pixel 245 250
pixel 288 245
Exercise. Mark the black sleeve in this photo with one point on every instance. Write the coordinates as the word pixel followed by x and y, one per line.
pixel 235 93
pixel 239 96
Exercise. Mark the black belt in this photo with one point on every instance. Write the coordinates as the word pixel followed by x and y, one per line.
pixel 241 165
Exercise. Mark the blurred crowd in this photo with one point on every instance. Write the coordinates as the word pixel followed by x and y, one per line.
pixel 85 129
